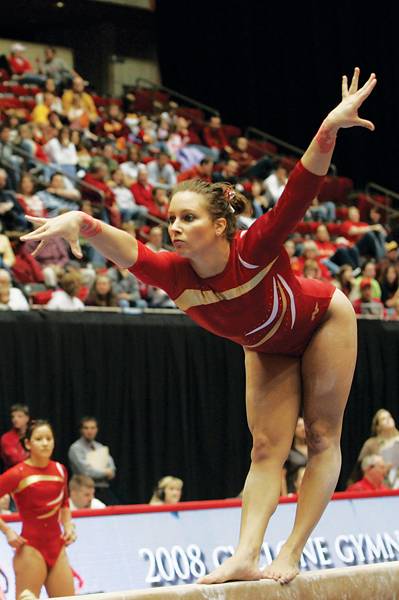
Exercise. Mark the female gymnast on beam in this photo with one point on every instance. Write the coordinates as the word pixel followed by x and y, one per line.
pixel 40 489
pixel 299 335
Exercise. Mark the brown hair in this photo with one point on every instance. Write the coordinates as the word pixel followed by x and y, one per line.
pixel 70 283
pixel 32 425
pixel 223 201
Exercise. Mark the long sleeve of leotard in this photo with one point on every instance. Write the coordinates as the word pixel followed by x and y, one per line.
pixel 155 268
pixel 267 234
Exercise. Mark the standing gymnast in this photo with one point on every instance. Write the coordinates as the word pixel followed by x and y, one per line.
pixel 40 490
pixel 299 335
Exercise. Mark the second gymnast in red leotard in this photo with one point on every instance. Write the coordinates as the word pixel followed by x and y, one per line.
pixel 299 336
pixel 39 487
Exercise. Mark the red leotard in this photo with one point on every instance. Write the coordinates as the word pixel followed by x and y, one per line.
pixel 39 494
pixel 256 301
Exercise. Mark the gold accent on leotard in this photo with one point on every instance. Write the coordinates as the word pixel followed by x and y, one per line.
pixel 276 326
pixel 191 298
pixel 32 479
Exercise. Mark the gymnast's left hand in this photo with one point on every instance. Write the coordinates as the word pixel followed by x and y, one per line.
pixel 69 536
pixel 66 226
pixel 346 113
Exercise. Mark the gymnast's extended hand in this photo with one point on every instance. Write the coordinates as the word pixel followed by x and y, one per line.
pixel 66 226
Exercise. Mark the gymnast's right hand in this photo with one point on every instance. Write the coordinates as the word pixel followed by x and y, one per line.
pixel 14 540
pixel 66 226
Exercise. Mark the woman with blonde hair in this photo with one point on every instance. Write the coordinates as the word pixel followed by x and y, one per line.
pixel 168 491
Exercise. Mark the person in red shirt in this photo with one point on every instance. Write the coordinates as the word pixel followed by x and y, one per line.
pixel 18 62
pixel 143 193
pixel 12 451
pixel 374 471
pixel 214 137
pixel 299 335
pixel 97 179
pixel 40 489
pixel 203 171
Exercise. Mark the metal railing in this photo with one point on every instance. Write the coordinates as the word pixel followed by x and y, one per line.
pixel 155 87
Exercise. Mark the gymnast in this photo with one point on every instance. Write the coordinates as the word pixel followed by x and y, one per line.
pixel 299 335
pixel 40 490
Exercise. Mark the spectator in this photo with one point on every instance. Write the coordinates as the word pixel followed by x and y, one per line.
pixel 8 159
pixel 106 154
pixel 367 304
pixel 384 434
pixel 369 272
pixel 112 126
pixel 368 239
pixel 345 281
pixel 374 470
pixel 326 248
pixel 11 448
pixel 66 298
pixel 86 452
pixel 275 184
pixel 297 457
pixel 142 192
pixel 242 156
pixel 155 239
pixel 202 171
pixel 290 248
pixel 60 195
pixel 324 211
pixel 258 199
pixel 11 298
pixel 125 200
pixel 228 173
pixel 31 203
pixel 7 256
pixel 18 62
pixel 97 178
pixel 215 138
pixel 49 86
pixel 62 152
pixel 183 147
pixel 161 173
pixel 102 293
pixel 55 67
pixel 310 253
pixel 389 283
pixel 391 256
pixel 41 113
pixel 84 99
pixel 81 493
pixel 168 491
pixel 131 167
pixel 126 287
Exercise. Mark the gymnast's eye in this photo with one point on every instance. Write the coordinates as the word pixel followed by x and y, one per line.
pixel 171 218
pixel 189 217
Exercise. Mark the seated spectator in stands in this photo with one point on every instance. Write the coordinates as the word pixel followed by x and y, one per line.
pixel 228 173
pixel 259 201
pixel 50 87
pixel 155 239
pixel 290 248
pixel 51 259
pixel 366 304
pixel 161 173
pixel 97 177
pixel 321 211
pixel 391 256
pixel 275 183
pixel 10 161
pixel 81 454
pixel 126 288
pixel 125 200
pixel 369 239
pixel 82 98
pixel 142 192
pixel 62 152
pixel 203 171
pixel 12 216
pixel 21 67
pixel 167 491
pixel 33 148
pixel 215 138
pixel 11 298
pixel 345 281
pixel 11 449
pixel 106 155
pixel 5 504
pixel 242 155
pixel 30 202
pixel 389 284
pixel 112 125
pixel 66 299
pixel 297 457
pixel 60 195
pixel 81 493
pixel 369 272
pixel 78 116
pixel 180 145
pixel 7 256
pixel 41 113
pixel 310 252
pixel 161 201
pixel 102 293
pixel 55 67
pixel 131 167
pixel 83 147
pixel 374 471
pixel 311 270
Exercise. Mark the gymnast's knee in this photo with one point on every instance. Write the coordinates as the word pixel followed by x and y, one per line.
pixel 322 436
pixel 266 449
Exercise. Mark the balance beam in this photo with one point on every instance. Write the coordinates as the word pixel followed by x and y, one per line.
pixel 377 582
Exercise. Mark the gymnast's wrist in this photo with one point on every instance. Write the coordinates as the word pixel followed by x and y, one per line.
pixel 89 227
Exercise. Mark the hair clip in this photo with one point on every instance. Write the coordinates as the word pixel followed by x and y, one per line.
pixel 229 195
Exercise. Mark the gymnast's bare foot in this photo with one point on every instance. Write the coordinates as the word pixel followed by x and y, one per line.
pixel 233 569
pixel 284 568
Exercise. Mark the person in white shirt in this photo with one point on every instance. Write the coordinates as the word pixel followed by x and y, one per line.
pixel 161 173
pixel 66 297
pixel 81 493
pixel 275 184
pixel 11 298
pixel 131 167
pixel 62 152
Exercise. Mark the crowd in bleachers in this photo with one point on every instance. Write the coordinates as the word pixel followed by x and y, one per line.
pixel 62 147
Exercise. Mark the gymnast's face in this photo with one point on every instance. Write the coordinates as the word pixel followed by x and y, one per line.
pixel 191 228
pixel 41 443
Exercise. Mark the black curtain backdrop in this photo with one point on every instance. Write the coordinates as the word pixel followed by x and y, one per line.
pixel 169 396
pixel 278 66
